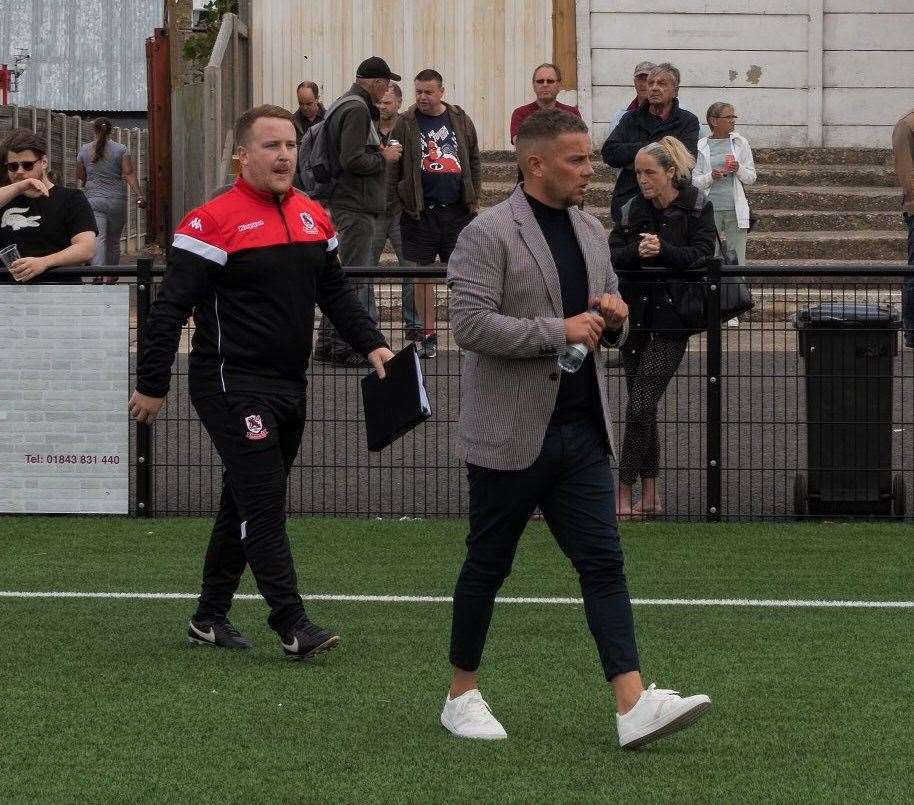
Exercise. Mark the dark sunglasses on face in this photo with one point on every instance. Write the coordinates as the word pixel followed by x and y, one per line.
pixel 27 165
pixel 545 81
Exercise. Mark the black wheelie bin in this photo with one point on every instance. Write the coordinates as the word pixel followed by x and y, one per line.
pixel 849 349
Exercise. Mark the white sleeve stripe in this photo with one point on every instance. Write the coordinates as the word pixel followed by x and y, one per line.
pixel 332 244
pixel 201 249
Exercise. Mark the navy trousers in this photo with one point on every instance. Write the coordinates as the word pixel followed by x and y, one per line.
pixel 571 482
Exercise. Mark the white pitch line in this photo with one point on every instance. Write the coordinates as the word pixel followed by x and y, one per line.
pixel 446 599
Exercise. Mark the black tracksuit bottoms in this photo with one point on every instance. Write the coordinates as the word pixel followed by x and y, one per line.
pixel 572 483
pixel 257 437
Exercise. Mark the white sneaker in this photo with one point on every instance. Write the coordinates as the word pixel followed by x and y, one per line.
pixel 656 714
pixel 468 716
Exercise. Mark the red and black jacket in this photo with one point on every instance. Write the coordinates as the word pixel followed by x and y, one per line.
pixel 250 266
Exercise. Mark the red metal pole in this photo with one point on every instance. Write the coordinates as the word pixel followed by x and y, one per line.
pixel 4 84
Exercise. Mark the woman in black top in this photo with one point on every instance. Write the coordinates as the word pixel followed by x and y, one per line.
pixel 668 224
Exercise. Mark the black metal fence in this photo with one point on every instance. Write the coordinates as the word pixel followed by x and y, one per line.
pixel 746 430
pixel 761 421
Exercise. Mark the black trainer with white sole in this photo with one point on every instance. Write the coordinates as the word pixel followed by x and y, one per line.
pixel 306 640
pixel 220 634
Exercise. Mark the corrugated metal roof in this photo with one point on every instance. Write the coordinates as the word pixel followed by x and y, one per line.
pixel 85 54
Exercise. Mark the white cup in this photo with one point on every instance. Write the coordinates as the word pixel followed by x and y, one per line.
pixel 9 255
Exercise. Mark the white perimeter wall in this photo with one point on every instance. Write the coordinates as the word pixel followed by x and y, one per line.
pixel 799 72
pixel 485 50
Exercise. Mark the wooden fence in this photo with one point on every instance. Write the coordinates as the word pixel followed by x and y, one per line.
pixel 203 117
pixel 64 135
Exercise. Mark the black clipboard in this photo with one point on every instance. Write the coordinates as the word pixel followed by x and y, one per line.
pixel 396 404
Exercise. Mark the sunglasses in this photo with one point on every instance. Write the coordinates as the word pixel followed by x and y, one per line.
pixel 545 81
pixel 26 164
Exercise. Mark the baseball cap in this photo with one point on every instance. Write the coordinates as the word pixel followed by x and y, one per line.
pixel 375 67
pixel 643 67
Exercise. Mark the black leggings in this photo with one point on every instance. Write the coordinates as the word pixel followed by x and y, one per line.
pixel 650 361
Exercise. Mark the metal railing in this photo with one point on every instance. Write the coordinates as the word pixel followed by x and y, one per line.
pixel 750 427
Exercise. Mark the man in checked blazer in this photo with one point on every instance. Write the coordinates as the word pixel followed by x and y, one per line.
pixel 529 277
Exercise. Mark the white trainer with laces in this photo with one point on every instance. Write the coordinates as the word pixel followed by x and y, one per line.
pixel 658 713
pixel 468 716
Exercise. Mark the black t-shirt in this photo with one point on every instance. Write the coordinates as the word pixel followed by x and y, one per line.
pixel 45 225
pixel 442 173
pixel 578 393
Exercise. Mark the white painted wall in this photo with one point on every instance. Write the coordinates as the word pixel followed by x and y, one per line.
pixel 799 72
pixel 485 50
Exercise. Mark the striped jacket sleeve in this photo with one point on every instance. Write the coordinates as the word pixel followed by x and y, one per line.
pixel 198 248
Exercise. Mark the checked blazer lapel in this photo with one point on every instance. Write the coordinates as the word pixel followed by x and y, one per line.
pixel 532 235
pixel 596 273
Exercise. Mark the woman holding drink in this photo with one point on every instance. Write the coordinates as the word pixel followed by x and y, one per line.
pixel 724 166
pixel 668 225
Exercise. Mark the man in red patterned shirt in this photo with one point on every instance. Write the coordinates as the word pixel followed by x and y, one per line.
pixel 547 84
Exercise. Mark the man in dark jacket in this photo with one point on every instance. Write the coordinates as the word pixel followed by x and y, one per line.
pixel 250 265
pixel 649 123
pixel 435 188
pixel 903 150
pixel 310 109
pixel 359 196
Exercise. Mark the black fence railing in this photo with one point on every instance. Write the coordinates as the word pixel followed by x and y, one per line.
pixel 762 420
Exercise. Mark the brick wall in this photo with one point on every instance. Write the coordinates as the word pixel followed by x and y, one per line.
pixel 63 395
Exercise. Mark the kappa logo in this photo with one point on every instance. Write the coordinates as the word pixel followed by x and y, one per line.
pixel 307 221
pixel 256 430
pixel 15 220
pixel 196 223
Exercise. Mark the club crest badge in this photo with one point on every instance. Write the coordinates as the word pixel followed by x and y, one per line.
pixel 256 430
pixel 307 221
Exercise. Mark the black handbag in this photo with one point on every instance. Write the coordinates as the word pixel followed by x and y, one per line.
pixel 735 296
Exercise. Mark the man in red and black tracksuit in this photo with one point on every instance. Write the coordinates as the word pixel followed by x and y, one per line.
pixel 250 265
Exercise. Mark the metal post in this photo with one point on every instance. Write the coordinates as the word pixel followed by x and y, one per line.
pixel 713 438
pixel 143 431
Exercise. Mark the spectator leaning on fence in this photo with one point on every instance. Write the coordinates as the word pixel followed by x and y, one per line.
pixel 250 265
pixel 669 224
pixel 660 117
pixel 387 227
pixel 903 149
pixel 724 166
pixel 639 78
pixel 435 188
pixel 106 170
pixel 359 196
pixel 50 225
pixel 524 278
pixel 547 84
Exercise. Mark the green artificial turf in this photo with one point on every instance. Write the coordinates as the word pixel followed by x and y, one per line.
pixel 103 701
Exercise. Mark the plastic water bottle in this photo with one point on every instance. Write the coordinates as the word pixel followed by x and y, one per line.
pixel 574 355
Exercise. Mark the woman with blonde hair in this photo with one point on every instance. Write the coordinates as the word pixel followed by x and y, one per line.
pixel 669 224
pixel 105 169
pixel 724 166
